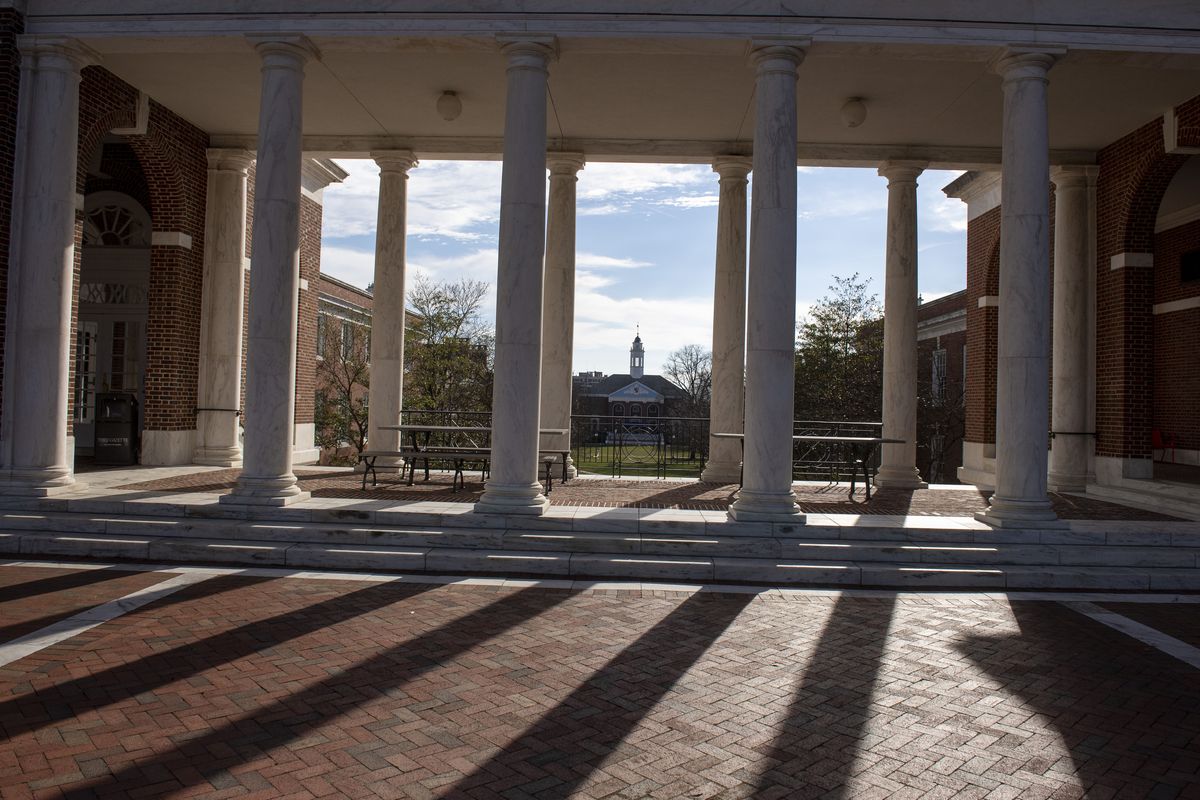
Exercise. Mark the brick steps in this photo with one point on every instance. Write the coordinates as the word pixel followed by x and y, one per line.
pixel 859 556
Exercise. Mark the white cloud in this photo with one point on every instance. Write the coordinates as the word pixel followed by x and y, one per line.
pixel 938 212
pixel 692 201
pixel 352 266
pixel 594 261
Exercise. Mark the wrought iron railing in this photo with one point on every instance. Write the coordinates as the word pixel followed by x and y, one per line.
pixel 673 446
pixel 626 446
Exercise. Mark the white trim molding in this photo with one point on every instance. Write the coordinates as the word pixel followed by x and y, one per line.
pixel 141 120
pixel 1131 260
pixel 1185 304
pixel 171 239
pixel 989 301
pixel 979 190
pixel 1183 216
pixel 1171 135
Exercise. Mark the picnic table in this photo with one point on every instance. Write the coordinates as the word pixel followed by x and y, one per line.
pixel 420 449
pixel 862 447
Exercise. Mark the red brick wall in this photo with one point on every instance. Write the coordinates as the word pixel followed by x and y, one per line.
pixel 1176 379
pixel 954 344
pixel 983 280
pixel 1134 173
pixel 306 335
pixel 12 24
pixel 171 154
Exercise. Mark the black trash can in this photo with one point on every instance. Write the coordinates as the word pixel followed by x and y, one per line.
pixel 116 429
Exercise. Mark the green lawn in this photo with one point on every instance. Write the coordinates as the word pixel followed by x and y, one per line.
pixel 597 459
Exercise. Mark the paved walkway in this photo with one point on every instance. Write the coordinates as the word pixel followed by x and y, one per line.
pixel 813 497
pixel 264 685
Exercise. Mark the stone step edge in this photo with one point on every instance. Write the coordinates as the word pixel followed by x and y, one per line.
pixel 25 519
pixel 607 565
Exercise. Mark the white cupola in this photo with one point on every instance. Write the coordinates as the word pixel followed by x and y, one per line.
pixel 637 357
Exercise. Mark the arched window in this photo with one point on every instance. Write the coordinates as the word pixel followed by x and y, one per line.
pixel 635 409
pixel 652 410
pixel 114 219
pixel 618 409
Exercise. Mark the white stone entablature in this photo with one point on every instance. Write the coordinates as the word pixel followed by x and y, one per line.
pixel 636 391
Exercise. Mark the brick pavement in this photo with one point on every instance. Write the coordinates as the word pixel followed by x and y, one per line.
pixel 282 687
pixel 662 494
pixel 33 597
pixel 1164 617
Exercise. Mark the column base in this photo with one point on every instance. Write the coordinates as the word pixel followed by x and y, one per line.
pixel 38 483
pixel 265 492
pixel 1004 513
pixel 723 472
pixel 899 478
pixel 1064 482
pixel 512 499
pixel 218 456
pixel 766 507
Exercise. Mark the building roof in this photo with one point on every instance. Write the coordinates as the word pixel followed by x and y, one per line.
pixel 614 383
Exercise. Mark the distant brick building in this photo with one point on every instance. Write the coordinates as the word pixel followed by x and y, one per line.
pixel 941 372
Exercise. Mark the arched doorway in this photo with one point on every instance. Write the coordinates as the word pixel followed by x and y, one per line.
pixel 110 335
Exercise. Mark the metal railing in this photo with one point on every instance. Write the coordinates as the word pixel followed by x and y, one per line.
pixel 668 447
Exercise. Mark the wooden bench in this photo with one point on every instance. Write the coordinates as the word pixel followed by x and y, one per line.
pixel 457 456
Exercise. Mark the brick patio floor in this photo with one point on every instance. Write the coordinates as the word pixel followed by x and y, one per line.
pixel 269 687
pixel 661 494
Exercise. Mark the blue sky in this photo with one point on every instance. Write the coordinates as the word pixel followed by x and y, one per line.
pixel 646 235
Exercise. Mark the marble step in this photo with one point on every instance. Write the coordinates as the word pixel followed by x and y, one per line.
pixel 551 563
pixel 1176 499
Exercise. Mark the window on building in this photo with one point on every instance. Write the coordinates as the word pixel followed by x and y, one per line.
pixel 618 409
pixel 635 409
pixel 320 336
pixel 347 338
pixel 652 410
pixel 938 382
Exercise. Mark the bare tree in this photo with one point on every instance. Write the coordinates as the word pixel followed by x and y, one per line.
pixel 448 366
pixel 343 381
pixel 690 368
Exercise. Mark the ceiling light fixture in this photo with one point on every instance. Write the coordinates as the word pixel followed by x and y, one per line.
pixel 854 112
pixel 449 106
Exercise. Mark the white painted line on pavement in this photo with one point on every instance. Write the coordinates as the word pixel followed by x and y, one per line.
pixel 1143 633
pixel 86 620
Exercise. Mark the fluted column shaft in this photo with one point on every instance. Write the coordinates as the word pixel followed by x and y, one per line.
pixel 766 493
pixel 37 457
pixel 513 486
pixel 1069 450
pixel 220 388
pixel 729 323
pixel 1023 340
pixel 558 305
pixel 267 476
pixel 898 467
pixel 386 398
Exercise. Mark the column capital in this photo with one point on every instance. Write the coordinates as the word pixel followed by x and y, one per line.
pixel 222 159
pixel 1018 62
pixel 902 171
pixel 735 167
pixel 528 52
pixel 284 50
pixel 57 52
pixel 1070 176
pixel 564 164
pixel 782 55
pixel 390 161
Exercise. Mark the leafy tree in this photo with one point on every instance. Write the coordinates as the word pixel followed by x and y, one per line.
pixel 690 368
pixel 941 423
pixel 839 355
pixel 343 381
pixel 449 359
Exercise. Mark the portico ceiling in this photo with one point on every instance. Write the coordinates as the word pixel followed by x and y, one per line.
pixel 656 98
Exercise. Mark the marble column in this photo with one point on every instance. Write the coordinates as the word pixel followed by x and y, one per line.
pixel 766 493
pixel 37 455
pixel 513 487
pixel 1069 417
pixel 1023 340
pixel 729 323
pixel 220 388
pixel 558 305
pixel 898 465
pixel 386 397
pixel 267 477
